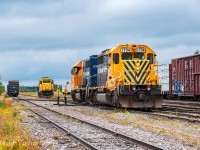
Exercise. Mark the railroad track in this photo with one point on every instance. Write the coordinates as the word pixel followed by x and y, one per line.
pixel 182 104
pixel 191 103
pixel 181 113
pixel 169 111
pixel 88 134
pixel 176 115
pixel 61 101
pixel 173 113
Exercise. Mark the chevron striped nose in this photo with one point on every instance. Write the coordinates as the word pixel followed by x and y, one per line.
pixel 136 71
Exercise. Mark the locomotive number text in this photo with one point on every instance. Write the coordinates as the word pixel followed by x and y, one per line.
pixel 140 50
pixel 125 50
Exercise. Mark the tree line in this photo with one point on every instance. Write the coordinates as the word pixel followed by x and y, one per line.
pixel 35 88
pixel 2 88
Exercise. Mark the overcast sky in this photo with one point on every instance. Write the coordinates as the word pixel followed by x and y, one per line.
pixel 47 37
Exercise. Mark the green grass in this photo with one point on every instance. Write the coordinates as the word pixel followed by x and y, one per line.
pixel 3 104
pixel 13 136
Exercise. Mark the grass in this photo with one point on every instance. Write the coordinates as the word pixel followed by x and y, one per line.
pixel 12 135
pixel 35 94
pixel 3 104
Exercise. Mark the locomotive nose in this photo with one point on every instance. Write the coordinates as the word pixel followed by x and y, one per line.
pixel 142 97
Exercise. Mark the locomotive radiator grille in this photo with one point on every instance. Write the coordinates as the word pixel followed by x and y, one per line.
pixel 136 71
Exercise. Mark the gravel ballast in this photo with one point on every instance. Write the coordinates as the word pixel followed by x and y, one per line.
pixel 158 131
pixel 165 133
pixel 49 136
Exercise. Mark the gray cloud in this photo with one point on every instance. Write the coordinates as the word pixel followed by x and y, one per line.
pixel 51 25
pixel 33 32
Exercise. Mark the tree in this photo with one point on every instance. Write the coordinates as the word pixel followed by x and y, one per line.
pixel 2 88
pixel 196 52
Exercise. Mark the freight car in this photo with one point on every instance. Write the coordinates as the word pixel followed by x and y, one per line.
pixel 184 78
pixel 13 88
pixel 46 87
pixel 125 76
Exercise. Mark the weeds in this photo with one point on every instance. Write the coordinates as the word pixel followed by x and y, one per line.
pixel 13 136
pixel 3 104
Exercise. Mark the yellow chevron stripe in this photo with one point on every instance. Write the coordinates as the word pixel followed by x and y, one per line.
pixel 140 78
pixel 137 78
pixel 145 75
pixel 142 71
pixel 131 62
pixel 143 78
pixel 127 81
pixel 128 72
pixel 128 67
pixel 148 77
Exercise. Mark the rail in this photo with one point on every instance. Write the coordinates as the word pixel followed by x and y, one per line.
pixel 127 138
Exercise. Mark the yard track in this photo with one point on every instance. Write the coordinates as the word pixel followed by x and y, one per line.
pixel 170 110
pixel 107 139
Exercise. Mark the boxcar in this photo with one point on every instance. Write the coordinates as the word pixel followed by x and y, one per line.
pixel 13 88
pixel 185 77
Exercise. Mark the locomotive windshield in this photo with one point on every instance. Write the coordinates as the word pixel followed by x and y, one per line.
pixel 139 55
pixel 46 81
pixel 126 56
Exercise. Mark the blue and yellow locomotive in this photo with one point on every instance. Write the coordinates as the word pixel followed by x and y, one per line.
pixel 125 75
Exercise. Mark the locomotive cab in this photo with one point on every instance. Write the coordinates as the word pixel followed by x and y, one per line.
pixel 76 82
pixel 46 87
pixel 135 70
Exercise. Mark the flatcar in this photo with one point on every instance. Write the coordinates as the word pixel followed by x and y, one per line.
pixel 183 78
pixel 13 88
pixel 46 87
pixel 125 76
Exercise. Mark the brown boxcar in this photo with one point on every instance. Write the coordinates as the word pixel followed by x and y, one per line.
pixel 185 76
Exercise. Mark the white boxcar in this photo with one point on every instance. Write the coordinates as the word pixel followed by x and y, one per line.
pixel 163 73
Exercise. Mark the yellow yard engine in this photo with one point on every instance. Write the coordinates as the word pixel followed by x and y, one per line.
pixel 46 87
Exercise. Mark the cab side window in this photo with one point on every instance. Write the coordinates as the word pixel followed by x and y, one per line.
pixel 76 70
pixel 116 58
pixel 150 58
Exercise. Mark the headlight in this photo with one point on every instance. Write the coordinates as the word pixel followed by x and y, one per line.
pixel 133 88
pixel 148 88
